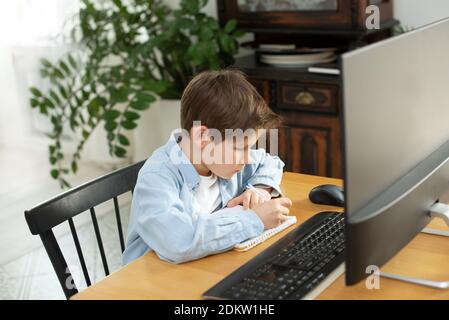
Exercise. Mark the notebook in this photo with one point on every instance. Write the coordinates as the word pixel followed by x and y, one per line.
pixel 251 243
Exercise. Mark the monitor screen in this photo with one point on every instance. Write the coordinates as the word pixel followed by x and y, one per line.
pixel 396 109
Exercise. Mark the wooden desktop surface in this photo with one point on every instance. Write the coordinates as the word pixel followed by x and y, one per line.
pixel 151 278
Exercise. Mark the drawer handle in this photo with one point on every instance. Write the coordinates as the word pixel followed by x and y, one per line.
pixel 305 98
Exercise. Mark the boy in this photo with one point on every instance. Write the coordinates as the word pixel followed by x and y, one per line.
pixel 191 199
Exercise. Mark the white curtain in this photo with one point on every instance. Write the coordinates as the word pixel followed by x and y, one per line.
pixel 29 30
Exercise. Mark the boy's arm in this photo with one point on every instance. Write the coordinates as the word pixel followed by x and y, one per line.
pixel 264 171
pixel 174 235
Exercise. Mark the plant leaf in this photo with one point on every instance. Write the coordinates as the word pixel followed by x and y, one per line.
pixel 131 115
pixel 54 173
pixel 74 167
pixel 129 125
pixel 58 73
pixel 46 63
pixel 147 97
pixel 62 91
pixel 230 26
pixel 138 104
pixel 110 125
pixel 64 183
pixel 123 140
pixel 34 102
pixel 49 103
pixel 36 92
pixel 64 67
pixel 72 62
pixel 157 87
pixel 119 152
pixel 120 95
pixel 93 107
pixel 111 115
pixel 55 97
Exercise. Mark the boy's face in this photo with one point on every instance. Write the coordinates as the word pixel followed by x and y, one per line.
pixel 228 157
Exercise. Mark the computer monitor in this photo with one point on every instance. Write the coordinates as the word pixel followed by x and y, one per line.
pixel 396 142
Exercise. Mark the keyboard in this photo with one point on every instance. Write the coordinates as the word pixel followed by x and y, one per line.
pixel 290 268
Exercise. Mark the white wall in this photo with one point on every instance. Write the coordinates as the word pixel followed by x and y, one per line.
pixel 416 13
pixel 25 30
pixel 8 97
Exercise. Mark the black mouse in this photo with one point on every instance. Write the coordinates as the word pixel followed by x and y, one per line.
pixel 328 194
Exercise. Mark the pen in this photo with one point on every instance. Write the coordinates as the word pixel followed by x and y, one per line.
pixel 260 194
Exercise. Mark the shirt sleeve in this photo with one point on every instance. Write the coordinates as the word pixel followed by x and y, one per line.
pixel 165 226
pixel 266 170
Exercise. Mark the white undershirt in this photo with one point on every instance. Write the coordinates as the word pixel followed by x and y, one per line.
pixel 207 196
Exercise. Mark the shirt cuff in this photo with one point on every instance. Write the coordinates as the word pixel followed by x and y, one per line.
pixel 276 192
pixel 252 225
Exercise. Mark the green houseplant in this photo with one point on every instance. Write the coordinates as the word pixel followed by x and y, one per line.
pixel 127 54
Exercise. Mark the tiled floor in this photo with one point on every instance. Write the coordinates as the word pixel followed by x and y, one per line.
pixel 25 270
pixel 32 277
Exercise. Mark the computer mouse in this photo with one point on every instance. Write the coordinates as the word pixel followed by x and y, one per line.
pixel 328 194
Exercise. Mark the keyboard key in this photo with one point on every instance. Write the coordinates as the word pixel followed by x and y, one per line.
pixel 316 268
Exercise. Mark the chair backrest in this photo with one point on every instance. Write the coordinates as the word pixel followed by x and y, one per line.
pixel 44 217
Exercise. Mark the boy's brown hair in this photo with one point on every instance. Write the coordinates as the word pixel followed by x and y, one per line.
pixel 225 100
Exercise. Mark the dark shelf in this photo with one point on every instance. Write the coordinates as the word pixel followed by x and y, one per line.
pixel 353 33
pixel 251 65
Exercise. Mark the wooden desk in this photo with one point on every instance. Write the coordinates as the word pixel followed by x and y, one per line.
pixel 151 278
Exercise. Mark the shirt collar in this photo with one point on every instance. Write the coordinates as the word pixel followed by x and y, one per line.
pixel 180 160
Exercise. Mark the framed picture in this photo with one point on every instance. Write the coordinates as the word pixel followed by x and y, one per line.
pixel 260 15
pixel 286 5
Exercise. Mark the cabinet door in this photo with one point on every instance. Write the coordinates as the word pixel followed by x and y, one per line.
pixel 311 146
pixel 263 87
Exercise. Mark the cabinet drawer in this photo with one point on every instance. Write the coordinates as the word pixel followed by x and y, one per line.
pixel 308 97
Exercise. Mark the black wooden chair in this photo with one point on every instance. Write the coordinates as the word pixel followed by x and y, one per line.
pixel 64 207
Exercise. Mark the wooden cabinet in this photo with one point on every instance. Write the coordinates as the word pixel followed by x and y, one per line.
pixel 311 144
pixel 309 140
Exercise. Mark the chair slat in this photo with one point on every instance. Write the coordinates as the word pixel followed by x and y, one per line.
pixel 119 224
pixel 80 252
pixel 99 241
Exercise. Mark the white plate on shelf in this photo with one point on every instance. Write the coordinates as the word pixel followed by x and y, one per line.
pixel 300 58
pixel 303 64
pixel 276 47
pixel 291 50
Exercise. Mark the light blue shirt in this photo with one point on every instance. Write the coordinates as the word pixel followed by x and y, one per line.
pixel 162 208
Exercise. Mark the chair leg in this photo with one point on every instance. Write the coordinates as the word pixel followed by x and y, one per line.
pixel 59 264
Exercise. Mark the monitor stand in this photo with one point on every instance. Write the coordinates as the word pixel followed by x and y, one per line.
pixel 438 210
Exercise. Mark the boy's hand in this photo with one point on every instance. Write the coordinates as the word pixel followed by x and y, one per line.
pixel 273 212
pixel 249 199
